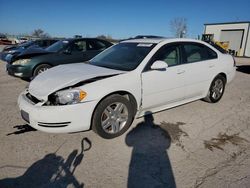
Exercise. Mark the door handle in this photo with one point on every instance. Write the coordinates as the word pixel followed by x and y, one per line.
pixel 211 66
pixel 180 71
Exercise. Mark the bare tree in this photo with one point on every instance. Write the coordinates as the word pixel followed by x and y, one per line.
pixel 39 33
pixel 107 37
pixel 102 37
pixel 178 27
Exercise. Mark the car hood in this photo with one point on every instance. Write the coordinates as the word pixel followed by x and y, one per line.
pixel 14 50
pixel 7 48
pixel 31 52
pixel 64 76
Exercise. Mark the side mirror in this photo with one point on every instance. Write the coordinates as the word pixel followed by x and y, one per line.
pixel 159 65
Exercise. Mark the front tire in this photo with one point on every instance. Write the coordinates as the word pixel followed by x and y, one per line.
pixel 112 117
pixel 216 89
pixel 40 68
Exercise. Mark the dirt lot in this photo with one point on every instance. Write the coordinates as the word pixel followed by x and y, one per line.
pixel 194 145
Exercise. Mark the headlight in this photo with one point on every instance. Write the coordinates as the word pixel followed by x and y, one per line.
pixel 69 96
pixel 11 51
pixel 21 62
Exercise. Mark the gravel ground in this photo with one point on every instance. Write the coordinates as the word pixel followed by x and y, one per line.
pixel 193 145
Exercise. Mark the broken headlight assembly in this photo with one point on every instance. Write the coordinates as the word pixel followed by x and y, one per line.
pixel 68 96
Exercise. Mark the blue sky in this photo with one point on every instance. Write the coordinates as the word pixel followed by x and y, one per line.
pixel 120 19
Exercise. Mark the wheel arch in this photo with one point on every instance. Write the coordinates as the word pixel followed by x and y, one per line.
pixel 206 98
pixel 38 64
pixel 224 75
pixel 126 94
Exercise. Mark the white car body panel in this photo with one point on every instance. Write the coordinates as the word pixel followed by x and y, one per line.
pixel 57 114
pixel 129 82
pixel 159 94
pixel 63 76
pixel 153 90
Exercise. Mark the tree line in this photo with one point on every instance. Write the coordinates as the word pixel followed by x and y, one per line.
pixel 178 27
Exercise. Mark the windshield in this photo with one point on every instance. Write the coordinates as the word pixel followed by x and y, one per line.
pixel 56 47
pixel 26 44
pixel 123 56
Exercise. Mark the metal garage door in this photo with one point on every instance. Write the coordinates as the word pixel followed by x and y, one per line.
pixel 234 37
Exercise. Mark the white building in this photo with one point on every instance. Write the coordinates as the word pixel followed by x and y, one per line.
pixel 236 33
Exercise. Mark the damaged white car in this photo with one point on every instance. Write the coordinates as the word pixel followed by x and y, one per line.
pixel 126 81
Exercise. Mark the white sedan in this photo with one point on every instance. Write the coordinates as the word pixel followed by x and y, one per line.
pixel 126 81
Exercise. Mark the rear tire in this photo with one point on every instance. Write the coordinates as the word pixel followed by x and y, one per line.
pixel 112 117
pixel 40 68
pixel 216 89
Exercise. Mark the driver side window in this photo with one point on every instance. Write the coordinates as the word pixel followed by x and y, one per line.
pixel 79 46
pixel 169 54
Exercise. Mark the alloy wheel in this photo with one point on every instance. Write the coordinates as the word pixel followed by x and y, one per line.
pixel 42 70
pixel 217 89
pixel 114 118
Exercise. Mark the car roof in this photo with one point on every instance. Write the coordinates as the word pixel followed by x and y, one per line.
pixel 46 39
pixel 75 39
pixel 146 40
pixel 159 40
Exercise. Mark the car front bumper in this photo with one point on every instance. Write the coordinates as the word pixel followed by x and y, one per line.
pixel 56 119
pixel 18 71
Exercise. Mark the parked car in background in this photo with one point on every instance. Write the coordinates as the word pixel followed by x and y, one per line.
pixel 9 53
pixel 4 40
pixel 29 65
pixel 22 39
pixel 130 79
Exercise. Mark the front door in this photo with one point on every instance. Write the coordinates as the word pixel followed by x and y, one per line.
pixel 160 87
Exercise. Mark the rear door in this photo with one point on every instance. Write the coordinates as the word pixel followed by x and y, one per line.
pixel 199 62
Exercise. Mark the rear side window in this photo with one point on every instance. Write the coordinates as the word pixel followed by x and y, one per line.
pixel 198 52
pixel 96 45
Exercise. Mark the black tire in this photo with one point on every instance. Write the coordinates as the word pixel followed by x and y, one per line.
pixel 40 68
pixel 99 113
pixel 214 95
